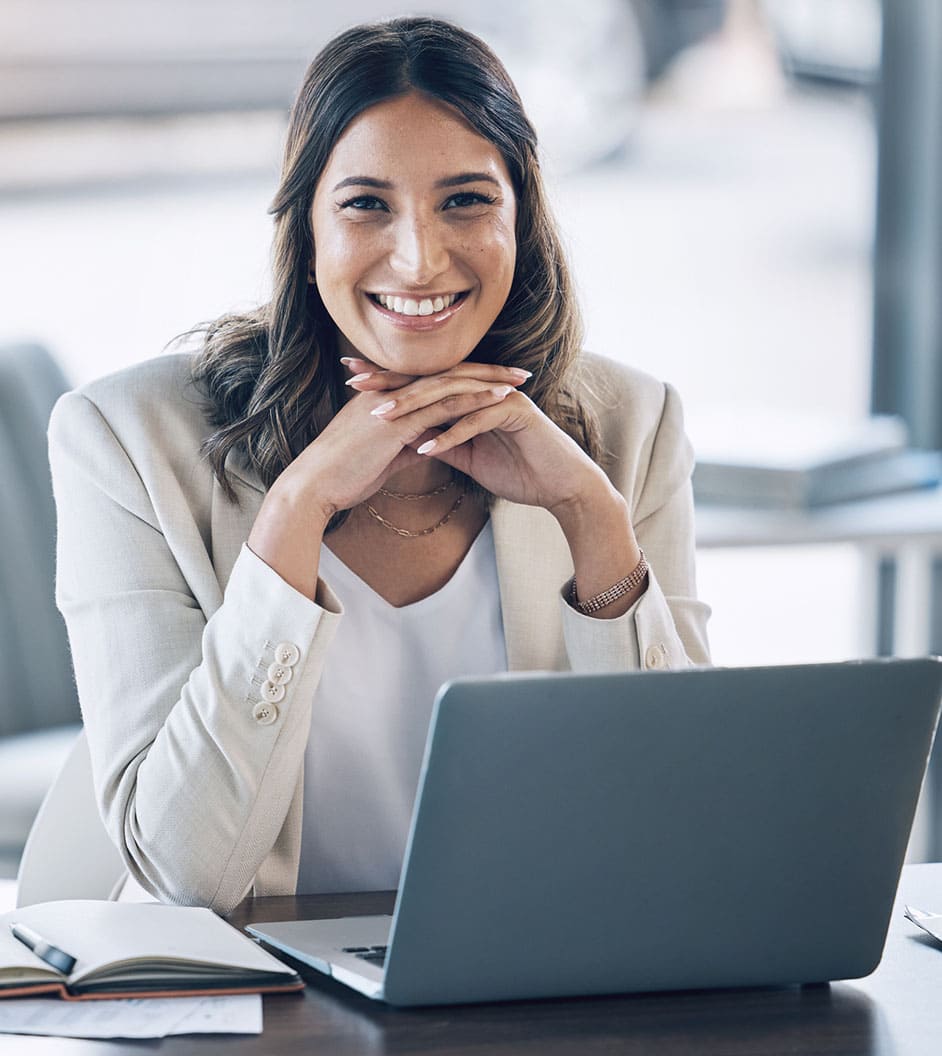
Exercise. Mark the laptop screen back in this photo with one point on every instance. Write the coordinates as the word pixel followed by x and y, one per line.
pixel 587 834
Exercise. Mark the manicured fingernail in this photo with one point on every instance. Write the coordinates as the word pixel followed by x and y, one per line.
pixel 359 377
pixel 521 372
pixel 347 359
pixel 383 407
pixel 425 448
pixel 503 390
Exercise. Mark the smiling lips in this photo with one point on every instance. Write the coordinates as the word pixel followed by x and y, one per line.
pixel 418 314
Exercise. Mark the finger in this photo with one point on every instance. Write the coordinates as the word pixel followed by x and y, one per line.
pixel 457 457
pixel 377 380
pixel 436 388
pixel 382 380
pixel 444 394
pixel 446 413
pixel 469 368
pixel 509 415
pixel 357 365
pixel 490 372
pixel 367 376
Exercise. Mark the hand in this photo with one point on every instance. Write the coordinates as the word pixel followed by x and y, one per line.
pixel 507 445
pixel 363 444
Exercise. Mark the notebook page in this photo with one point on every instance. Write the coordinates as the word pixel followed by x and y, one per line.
pixel 99 933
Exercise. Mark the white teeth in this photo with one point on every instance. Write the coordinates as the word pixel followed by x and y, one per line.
pixel 408 306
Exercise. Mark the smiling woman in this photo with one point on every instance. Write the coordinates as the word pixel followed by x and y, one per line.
pixel 401 469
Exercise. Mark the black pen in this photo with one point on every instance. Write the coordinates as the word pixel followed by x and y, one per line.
pixel 59 959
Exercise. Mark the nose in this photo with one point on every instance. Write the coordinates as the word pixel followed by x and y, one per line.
pixel 420 250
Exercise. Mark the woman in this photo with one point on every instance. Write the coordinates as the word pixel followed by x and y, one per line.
pixel 404 463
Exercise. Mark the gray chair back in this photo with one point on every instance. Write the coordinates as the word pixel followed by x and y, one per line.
pixel 35 666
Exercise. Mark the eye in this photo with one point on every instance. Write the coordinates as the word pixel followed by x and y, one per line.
pixel 467 198
pixel 364 203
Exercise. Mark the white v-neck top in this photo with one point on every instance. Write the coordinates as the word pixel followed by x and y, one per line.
pixel 371 713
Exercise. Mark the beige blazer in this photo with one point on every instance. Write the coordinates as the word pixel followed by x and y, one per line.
pixel 173 622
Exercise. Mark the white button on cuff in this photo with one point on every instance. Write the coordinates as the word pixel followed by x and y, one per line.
pixel 278 674
pixel 271 693
pixel 287 653
pixel 264 714
pixel 655 657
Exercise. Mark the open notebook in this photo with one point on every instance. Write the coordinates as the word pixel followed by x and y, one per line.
pixel 127 949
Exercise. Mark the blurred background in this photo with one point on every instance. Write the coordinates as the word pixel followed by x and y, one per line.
pixel 714 168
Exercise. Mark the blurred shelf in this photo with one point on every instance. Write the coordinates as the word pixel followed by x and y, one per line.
pixel 887 521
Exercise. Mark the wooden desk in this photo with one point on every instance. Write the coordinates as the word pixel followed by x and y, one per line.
pixel 897 1010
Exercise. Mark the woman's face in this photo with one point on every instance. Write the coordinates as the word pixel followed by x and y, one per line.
pixel 413 226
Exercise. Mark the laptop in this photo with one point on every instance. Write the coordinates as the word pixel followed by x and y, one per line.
pixel 590 834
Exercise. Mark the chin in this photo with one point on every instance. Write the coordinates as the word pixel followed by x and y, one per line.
pixel 415 361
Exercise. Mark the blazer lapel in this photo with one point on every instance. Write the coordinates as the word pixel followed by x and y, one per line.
pixel 533 562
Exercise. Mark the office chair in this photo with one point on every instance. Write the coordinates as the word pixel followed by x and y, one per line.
pixel 68 853
pixel 31 628
pixel 39 711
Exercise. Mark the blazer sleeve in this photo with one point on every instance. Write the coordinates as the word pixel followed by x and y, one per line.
pixel 194 773
pixel 666 627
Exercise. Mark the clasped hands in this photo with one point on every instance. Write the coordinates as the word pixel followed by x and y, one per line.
pixel 472 417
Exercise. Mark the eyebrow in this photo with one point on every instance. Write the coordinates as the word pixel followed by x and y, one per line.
pixel 447 181
pixel 467 177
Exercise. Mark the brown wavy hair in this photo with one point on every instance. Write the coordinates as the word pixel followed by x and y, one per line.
pixel 272 377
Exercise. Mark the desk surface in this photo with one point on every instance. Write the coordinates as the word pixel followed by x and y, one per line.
pixel 897 1010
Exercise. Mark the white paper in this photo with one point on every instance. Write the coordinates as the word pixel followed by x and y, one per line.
pixel 929 922
pixel 240 1014
pixel 151 1017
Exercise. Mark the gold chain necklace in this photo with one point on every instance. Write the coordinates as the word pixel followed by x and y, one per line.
pixel 405 532
pixel 412 495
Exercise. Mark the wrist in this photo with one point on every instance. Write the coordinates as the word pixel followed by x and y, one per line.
pixel 296 502
pixel 596 508
pixel 287 536
pixel 605 553
pixel 629 588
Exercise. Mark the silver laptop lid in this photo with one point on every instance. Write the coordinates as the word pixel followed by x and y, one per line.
pixel 584 834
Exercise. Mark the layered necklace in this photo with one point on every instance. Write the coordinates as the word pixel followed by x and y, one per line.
pixel 415 496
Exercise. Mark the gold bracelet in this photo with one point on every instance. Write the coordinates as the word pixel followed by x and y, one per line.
pixel 613 593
